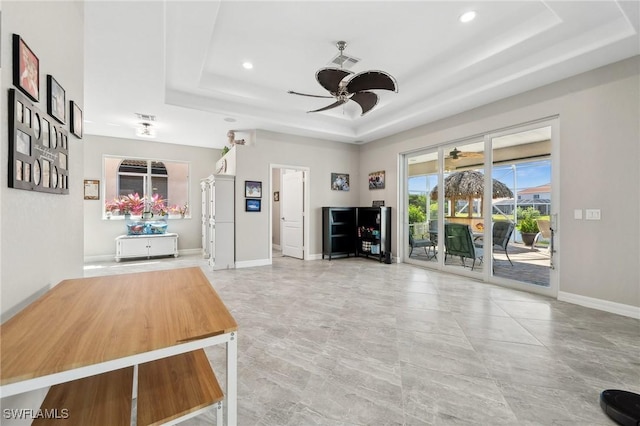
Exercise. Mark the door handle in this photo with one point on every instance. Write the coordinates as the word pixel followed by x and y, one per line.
pixel 282 218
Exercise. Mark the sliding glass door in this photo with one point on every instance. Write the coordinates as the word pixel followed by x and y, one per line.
pixel 482 207
pixel 523 250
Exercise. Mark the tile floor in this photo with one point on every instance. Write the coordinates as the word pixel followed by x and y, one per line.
pixel 356 342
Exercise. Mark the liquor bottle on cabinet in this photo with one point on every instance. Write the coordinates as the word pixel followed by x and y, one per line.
pixel 373 232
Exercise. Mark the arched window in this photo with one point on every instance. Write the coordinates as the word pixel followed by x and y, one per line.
pixel 134 176
pixel 168 180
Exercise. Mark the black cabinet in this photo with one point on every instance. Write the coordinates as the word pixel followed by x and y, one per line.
pixel 338 231
pixel 373 237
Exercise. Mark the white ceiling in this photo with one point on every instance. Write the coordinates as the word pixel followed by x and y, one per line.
pixel 182 61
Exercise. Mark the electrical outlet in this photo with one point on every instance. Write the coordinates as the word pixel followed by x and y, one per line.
pixel 577 214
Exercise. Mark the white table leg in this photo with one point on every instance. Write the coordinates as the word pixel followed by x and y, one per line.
pixel 232 380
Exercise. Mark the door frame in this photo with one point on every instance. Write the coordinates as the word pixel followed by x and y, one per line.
pixel 305 205
pixel 403 219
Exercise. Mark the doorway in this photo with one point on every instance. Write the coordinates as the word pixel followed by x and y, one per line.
pixel 468 204
pixel 288 213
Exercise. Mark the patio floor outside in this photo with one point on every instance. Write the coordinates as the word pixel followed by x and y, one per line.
pixel 529 265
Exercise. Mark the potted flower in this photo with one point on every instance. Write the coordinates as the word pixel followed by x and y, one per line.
pixel 527 224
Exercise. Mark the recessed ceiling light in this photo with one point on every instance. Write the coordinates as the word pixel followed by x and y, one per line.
pixel 230 120
pixel 247 65
pixel 468 16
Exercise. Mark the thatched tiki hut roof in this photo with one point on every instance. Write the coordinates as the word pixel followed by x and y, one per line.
pixel 469 184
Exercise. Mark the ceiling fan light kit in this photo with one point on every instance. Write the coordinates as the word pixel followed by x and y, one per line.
pixel 344 85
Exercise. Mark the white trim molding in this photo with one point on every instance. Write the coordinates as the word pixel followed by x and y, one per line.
pixel 252 263
pixel 603 305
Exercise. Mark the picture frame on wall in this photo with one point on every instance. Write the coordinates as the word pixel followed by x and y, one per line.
pixel 252 189
pixel 56 100
pixel 76 119
pixel 26 69
pixel 91 189
pixel 252 205
pixel 340 181
pixel 376 180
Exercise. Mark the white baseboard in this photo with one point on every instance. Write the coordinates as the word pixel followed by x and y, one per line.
pixel 603 305
pixel 187 252
pixel 252 263
pixel 108 257
pixel 317 256
pixel 100 258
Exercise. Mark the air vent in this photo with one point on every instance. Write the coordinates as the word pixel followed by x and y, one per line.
pixel 344 61
pixel 146 117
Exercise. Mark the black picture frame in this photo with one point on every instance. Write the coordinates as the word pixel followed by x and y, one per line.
pixel 252 189
pixel 26 69
pixel 56 100
pixel 75 118
pixel 252 205
pixel 38 148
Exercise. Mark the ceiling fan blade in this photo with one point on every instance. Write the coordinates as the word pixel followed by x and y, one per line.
pixel 366 100
pixel 311 96
pixel 369 80
pixel 333 105
pixel 330 78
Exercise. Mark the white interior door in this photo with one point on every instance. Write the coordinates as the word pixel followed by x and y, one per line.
pixel 292 214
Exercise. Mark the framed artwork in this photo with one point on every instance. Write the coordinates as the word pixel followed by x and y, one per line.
pixel 252 205
pixel 376 180
pixel 56 100
pixel 76 119
pixel 276 196
pixel 26 69
pixel 91 189
pixel 340 181
pixel 252 189
pixel 38 149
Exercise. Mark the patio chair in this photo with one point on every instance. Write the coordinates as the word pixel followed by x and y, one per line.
pixel 459 242
pixel 502 231
pixel 427 244
pixel 545 232
pixel 433 231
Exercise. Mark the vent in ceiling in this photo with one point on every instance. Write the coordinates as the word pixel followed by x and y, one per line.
pixel 344 61
pixel 146 117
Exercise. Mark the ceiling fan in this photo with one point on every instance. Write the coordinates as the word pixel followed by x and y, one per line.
pixel 344 85
pixel 457 154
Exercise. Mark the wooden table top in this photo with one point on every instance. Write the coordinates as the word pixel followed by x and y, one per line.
pixel 86 321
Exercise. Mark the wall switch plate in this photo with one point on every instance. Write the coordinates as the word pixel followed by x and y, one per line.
pixel 577 214
pixel 592 214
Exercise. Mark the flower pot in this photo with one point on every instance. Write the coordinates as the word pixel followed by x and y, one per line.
pixel 527 238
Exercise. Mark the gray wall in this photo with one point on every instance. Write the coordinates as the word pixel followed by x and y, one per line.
pixel 599 157
pixel 100 233
pixel 320 156
pixel 41 240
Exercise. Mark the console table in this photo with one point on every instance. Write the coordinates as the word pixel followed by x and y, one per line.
pixel 99 328
pixel 146 245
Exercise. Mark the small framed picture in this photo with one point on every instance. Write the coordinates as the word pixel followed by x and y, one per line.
pixel 76 119
pixel 56 100
pixel 26 69
pixel 252 205
pixel 376 180
pixel 252 189
pixel 91 189
pixel 276 196
pixel 340 181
